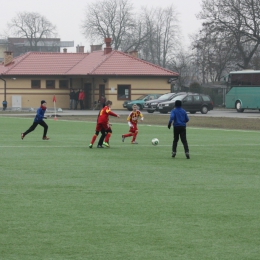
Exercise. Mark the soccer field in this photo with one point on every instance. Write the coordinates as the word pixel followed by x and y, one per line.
pixel 61 200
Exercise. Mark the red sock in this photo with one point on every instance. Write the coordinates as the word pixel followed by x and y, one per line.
pixel 134 137
pixel 94 137
pixel 107 137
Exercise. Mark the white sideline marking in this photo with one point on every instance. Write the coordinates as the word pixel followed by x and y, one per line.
pixel 127 145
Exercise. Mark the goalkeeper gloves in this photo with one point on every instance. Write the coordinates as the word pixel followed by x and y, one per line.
pixel 169 126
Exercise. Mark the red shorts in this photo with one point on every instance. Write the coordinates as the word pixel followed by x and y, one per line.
pixel 133 129
pixel 101 126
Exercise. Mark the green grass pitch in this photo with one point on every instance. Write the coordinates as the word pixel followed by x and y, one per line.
pixel 61 200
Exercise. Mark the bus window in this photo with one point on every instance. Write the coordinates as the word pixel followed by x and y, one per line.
pixel 241 79
pixel 246 80
pixel 235 79
pixel 255 79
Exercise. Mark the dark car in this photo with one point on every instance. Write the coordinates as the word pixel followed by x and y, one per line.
pixel 151 105
pixel 140 101
pixel 191 102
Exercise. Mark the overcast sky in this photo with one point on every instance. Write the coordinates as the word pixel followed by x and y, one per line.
pixel 68 15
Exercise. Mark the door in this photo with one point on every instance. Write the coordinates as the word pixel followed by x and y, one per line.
pixel 197 102
pixel 187 103
pixel 88 95
pixel 16 102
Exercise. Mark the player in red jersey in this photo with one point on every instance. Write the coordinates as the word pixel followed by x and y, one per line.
pixel 132 122
pixel 101 139
pixel 103 125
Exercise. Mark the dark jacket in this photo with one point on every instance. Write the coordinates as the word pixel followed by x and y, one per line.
pixel 72 95
pixel 39 115
pixel 179 117
pixel 77 95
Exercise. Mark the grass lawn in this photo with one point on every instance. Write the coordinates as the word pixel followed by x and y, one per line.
pixel 61 200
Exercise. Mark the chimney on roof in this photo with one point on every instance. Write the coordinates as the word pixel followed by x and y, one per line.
pixel 80 49
pixel 95 48
pixel 134 53
pixel 8 57
pixel 108 48
pixel 65 50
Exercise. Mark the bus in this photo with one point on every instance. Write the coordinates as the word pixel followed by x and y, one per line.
pixel 243 90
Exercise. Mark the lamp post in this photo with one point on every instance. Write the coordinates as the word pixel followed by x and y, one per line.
pixel 4 102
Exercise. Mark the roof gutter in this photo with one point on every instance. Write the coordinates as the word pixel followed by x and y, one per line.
pixel 4 87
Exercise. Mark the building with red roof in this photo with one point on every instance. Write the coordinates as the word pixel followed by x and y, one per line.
pixel 41 75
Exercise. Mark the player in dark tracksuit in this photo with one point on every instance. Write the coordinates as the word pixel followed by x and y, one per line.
pixel 38 120
pixel 179 118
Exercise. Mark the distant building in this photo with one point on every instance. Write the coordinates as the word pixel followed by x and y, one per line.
pixel 19 46
pixel 3 48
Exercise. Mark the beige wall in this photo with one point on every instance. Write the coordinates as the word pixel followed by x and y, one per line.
pixel 139 86
pixel 32 97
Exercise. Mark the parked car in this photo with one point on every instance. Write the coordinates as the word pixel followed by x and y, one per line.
pixel 140 101
pixel 152 105
pixel 125 103
pixel 191 102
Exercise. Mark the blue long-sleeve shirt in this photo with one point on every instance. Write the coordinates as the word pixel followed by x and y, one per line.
pixel 39 115
pixel 179 117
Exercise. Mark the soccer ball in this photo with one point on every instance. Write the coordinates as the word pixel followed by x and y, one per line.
pixel 155 141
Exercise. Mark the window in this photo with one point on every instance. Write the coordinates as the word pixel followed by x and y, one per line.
pixel 196 98
pixel 255 79
pixel 249 79
pixel 152 97
pixel 50 83
pixel 123 92
pixel 246 79
pixel 236 79
pixel 35 84
pixel 64 84
pixel 187 99
pixel 241 79
pixel 205 98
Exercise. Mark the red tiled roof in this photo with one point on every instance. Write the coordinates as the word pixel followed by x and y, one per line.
pixel 119 63
pixel 44 63
pixel 95 63
pixel 88 64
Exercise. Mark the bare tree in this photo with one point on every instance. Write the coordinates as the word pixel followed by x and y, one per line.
pixel 109 18
pixel 183 64
pixel 136 37
pixel 162 31
pixel 32 26
pixel 240 20
pixel 214 54
pixel 153 32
